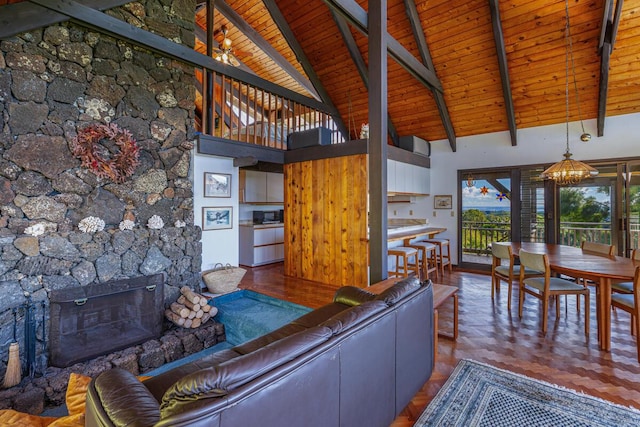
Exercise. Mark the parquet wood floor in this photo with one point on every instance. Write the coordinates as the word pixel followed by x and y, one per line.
pixel 489 333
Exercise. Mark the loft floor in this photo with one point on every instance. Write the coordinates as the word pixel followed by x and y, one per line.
pixel 489 333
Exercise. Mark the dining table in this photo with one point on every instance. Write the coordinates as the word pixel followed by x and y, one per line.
pixel 601 269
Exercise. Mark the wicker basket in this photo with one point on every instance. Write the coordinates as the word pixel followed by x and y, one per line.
pixel 223 279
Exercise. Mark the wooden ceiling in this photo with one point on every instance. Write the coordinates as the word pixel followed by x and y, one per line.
pixel 465 57
pixel 460 38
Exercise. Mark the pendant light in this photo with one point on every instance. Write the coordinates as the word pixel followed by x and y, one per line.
pixel 569 171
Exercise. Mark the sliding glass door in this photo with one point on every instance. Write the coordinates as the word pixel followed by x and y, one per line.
pixel 630 210
pixel 515 204
pixel 586 210
pixel 486 203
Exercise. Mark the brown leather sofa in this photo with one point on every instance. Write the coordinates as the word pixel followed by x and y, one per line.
pixel 357 361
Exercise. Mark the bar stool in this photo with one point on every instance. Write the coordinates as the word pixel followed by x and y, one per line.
pixel 405 253
pixel 428 258
pixel 443 258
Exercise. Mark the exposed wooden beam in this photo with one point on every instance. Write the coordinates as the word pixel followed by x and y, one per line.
pixel 608 32
pixel 318 152
pixel 357 16
pixel 603 88
pixel 215 146
pixel 356 56
pixel 616 22
pixel 378 39
pixel 288 35
pixel 124 31
pixel 240 162
pixel 504 70
pixel 20 17
pixel 425 54
pixel 264 46
pixel 207 94
pixel 607 13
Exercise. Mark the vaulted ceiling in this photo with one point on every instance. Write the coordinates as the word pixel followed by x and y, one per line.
pixel 466 56
pixel 500 64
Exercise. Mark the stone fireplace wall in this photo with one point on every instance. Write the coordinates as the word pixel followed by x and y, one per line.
pixel 54 81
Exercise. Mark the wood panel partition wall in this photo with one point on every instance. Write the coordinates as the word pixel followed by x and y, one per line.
pixel 326 220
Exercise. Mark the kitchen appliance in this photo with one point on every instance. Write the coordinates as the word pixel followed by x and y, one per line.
pixel 415 145
pixel 267 217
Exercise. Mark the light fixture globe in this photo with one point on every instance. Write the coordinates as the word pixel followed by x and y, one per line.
pixel 569 171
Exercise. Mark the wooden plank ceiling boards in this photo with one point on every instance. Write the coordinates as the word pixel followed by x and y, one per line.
pixel 465 56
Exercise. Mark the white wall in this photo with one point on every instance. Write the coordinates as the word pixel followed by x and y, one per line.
pixel 535 145
pixel 217 245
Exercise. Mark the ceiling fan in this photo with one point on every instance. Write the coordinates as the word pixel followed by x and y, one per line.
pixel 223 52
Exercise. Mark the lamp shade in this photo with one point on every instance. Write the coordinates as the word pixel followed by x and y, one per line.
pixel 569 171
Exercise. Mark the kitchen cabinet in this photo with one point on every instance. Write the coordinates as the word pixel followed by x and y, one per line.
pixel 391 176
pixel 405 178
pixel 261 245
pixel 261 187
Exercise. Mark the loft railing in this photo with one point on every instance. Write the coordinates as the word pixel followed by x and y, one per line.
pixel 243 112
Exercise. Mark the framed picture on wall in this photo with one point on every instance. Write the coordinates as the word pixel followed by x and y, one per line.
pixel 217 184
pixel 217 218
pixel 443 202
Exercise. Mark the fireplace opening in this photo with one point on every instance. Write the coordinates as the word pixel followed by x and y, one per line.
pixel 97 319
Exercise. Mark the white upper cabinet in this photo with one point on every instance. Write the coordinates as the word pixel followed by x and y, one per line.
pixel 407 179
pixel 391 176
pixel 261 187
pixel 275 187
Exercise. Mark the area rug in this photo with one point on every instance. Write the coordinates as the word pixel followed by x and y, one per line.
pixel 481 395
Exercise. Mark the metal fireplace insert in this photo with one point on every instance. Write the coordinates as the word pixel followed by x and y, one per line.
pixel 98 319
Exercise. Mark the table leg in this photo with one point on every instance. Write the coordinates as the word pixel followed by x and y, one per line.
pixel 435 335
pixel 455 316
pixel 605 292
pixel 599 304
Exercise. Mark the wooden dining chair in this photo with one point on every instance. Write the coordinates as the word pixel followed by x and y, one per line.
pixel 598 248
pixel 503 267
pixel 630 302
pixel 626 287
pixel 546 287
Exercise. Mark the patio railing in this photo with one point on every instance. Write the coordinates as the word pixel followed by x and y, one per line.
pixel 477 236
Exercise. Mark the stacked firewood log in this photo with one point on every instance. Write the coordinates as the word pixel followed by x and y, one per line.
pixel 191 310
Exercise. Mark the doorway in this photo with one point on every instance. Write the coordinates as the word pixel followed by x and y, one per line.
pixel 487 213
pixel 629 188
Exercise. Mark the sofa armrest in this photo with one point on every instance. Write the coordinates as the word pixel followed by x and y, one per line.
pixel 351 295
pixel 117 398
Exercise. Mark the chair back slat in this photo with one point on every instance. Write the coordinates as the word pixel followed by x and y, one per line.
pixel 533 261
pixel 600 248
pixel 501 250
pixel 635 254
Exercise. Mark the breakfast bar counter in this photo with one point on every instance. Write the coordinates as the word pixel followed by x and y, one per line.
pixel 407 234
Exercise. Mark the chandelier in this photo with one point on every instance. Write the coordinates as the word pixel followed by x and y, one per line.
pixel 569 171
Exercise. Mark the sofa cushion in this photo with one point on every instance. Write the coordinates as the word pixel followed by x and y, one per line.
pixel 216 381
pixel 398 291
pixel 319 315
pixel 355 315
pixel 125 400
pixel 273 336
pixel 351 295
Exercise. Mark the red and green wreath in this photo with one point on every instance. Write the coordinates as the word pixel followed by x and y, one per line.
pixel 106 160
